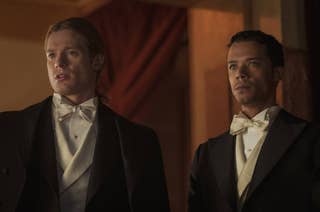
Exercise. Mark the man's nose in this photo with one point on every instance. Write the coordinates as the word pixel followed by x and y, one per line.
pixel 60 61
pixel 242 72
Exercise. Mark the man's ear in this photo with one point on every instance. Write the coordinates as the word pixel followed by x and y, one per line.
pixel 98 62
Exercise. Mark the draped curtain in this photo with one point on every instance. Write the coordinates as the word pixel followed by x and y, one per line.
pixel 141 40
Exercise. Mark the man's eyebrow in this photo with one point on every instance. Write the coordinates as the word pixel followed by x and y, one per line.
pixel 72 47
pixel 250 58
pixel 255 58
pixel 66 48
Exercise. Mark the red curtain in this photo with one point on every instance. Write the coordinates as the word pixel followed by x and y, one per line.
pixel 141 41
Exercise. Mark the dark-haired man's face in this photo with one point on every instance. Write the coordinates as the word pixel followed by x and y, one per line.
pixel 252 78
pixel 70 69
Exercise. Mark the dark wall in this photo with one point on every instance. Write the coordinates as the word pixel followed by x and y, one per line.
pixel 313 41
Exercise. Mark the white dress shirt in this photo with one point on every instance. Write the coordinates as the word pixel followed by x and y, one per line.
pixel 75 136
pixel 252 130
pixel 250 136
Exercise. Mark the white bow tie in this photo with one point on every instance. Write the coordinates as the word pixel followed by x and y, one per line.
pixel 240 124
pixel 85 110
pixel 65 109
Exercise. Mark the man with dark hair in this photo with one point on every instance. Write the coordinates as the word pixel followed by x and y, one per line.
pixel 71 153
pixel 269 160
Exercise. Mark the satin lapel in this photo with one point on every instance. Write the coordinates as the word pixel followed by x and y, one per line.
pixel 107 157
pixel 45 147
pixel 282 134
pixel 223 160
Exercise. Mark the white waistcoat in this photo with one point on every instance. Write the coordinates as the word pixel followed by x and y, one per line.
pixel 73 181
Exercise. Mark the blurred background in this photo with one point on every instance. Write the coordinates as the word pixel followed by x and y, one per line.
pixel 166 63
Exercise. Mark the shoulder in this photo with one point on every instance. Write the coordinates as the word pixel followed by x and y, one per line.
pixel 289 119
pixel 220 139
pixel 35 108
pixel 137 137
pixel 214 144
pixel 130 126
pixel 22 117
pixel 130 129
pixel 6 119
pixel 137 134
pixel 28 110
pixel 126 124
pixel 6 115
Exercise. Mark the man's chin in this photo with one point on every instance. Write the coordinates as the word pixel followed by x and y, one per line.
pixel 63 92
pixel 244 100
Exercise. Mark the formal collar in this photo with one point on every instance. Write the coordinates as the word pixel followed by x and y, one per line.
pixel 58 99
pixel 268 114
pixel 64 109
pixel 261 121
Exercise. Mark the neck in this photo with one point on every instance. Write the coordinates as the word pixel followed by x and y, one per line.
pixel 252 110
pixel 78 99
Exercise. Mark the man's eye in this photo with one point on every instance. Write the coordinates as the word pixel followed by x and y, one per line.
pixel 232 67
pixel 73 53
pixel 254 63
pixel 50 55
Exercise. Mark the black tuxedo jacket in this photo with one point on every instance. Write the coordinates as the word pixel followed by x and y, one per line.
pixel 286 176
pixel 126 175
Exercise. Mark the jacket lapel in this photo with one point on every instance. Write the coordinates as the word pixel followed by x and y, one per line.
pixel 282 134
pixel 107 157
pixel 45 149
pixel 224 163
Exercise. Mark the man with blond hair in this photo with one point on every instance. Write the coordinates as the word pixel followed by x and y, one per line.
pixel 71 153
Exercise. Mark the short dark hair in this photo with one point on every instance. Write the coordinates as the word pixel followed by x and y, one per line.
pixel 273 47
pixel 82 26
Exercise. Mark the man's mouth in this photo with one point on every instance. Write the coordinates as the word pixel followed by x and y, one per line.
pixel 60 77
pixel 242 87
